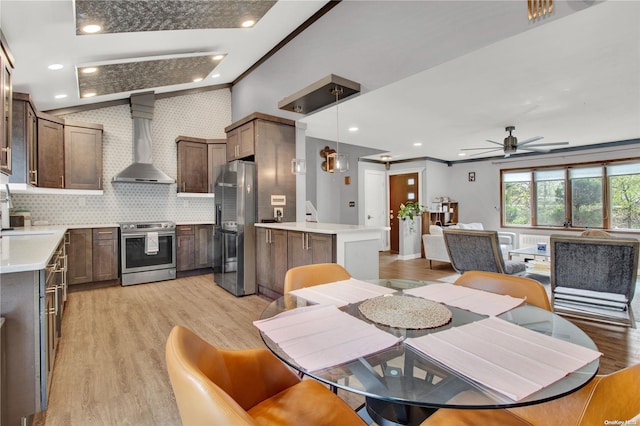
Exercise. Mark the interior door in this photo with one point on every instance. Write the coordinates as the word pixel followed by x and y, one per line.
pixel 375 212
pixel 402 189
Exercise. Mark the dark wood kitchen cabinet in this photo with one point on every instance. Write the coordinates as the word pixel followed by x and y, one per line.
pixel 306 248
pixel 194 244
pixel 80 256
pixel 6 105
pixel 105 254
pixel 50 152
pixel 185 247
pixel 197 159
pixel 69 154
pixel 92 255
pixel 82 156
pixel 271 261
pixel 240 142
pixel 24 142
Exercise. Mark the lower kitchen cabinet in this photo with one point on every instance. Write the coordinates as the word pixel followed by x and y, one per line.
pixel 105 254
pixel 93 255
pixel 271 261
pixel 306 248
pixel 193 247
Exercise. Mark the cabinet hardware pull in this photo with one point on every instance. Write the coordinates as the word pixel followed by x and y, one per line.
pixel 105 232
pixel 100 182
pixel 62 179
pixel 35 177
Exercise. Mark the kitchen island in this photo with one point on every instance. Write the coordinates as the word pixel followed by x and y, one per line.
pixel 31 297
pixel 281 246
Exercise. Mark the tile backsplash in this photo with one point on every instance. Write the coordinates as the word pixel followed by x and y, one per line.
pixel 202 115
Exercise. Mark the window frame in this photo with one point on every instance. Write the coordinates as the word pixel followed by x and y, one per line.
pixel 606 194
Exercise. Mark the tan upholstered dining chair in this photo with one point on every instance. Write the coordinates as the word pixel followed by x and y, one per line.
pixel 245 387
pixel 310 275
pixel 604 400
pixel 514 286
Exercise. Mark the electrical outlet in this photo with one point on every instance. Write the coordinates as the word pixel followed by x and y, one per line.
pixel 278 212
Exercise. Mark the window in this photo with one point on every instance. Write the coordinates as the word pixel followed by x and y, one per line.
pixel 517 198
pixel 624 187
pixel 583 196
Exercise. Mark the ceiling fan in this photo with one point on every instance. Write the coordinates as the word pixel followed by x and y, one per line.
pixel 511 145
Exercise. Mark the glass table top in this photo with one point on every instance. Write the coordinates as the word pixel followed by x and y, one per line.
pixel 403 375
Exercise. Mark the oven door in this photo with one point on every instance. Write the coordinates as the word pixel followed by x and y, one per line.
pixel 134 258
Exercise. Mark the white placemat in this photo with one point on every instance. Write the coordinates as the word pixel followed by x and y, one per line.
pixel 478 301
pixel 322 336
pixel 342 293
pixel 505 357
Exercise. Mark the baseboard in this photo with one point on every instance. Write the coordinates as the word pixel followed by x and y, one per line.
pixel 409 256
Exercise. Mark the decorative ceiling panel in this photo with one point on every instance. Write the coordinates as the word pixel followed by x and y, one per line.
pixel 125 16
pixel 130 76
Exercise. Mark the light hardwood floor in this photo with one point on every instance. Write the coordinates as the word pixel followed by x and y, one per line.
pixel 110 367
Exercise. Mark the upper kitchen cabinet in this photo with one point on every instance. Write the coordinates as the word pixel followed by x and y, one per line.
pixel 24 142
pixel 6 98
pixel 269 141
pixel 82 155
pixel 69 154
pixel 197 160
pixel 50 173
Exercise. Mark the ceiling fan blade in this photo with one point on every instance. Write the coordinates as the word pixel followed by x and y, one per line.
pixel 549 144
pixel 497 143
pixel 526 148
pixel 485 152
pixel 533 139
pixel 474 149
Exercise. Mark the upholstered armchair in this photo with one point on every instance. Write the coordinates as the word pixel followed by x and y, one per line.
pixel 435 249
pixel 594 277
pixel 478 250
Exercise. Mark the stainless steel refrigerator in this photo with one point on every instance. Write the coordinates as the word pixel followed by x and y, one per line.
pixel 234 236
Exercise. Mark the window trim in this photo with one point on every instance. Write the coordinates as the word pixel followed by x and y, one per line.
pixel 606 193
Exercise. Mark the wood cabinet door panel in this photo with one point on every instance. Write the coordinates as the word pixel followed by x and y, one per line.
pixel 263 258
pixel 203 246
pixel 50 154
pixel 185 251
pixel 192 167
pixel 297 255
pixel 6 95
pixel 82 158
pixel 80 256
pixel 233 139
pixel 279 261
pixel 217 156
pixel 246 140
pixel 322 248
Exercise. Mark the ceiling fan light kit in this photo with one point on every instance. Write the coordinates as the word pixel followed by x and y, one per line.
pixel 510 145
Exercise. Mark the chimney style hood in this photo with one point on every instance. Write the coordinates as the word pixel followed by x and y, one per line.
pixel 142 170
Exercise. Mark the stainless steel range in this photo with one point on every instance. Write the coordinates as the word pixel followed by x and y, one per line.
pixel 147 251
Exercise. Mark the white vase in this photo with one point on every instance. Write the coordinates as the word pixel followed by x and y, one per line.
pixel 410 237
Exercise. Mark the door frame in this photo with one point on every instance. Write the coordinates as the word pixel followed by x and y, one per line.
pixel 421 171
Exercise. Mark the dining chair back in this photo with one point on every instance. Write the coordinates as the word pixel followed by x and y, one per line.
pixel 604 398
pixel 478 250
pixel 310 275
pixel 515 286
pixel 594 277
pixel 216 386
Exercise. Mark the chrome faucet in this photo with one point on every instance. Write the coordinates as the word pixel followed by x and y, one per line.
pixel 5 205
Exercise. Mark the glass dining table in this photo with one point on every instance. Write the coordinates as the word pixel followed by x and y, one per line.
pixel 401 385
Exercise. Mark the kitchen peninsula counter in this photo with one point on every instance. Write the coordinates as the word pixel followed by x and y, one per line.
pixel 356 247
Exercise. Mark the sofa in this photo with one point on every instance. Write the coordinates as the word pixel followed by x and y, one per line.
pixel 435 249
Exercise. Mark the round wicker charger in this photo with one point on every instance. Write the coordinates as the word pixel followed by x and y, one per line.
pixel 405 312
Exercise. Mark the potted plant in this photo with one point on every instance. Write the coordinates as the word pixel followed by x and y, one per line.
pixel 409 212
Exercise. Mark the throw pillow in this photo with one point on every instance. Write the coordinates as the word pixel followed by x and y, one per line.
pixel 435 230
pixel 472 225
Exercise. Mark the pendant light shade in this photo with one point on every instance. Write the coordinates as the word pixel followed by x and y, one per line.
pixel 340 161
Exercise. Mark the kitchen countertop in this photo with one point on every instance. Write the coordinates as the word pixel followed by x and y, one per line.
pixel 29 249
pixel 320 228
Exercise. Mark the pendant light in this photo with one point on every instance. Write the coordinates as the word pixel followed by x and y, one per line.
pixel 340 162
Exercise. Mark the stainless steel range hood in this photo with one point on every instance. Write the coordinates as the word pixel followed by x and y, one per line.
pixel 142 170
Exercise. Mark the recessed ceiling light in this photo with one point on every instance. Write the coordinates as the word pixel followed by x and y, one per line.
pixel 215 76
pixel 197 79
pixel 218 57
pixel 61 96
pixel 89 95
pixel 55 67
pixel 248 23
pixel 353 129
pixel 91 29
pixel 89 70
pixel 462 154
pixel 417 144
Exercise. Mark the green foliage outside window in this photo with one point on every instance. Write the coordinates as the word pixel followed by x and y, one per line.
pixel 625 201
